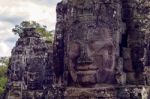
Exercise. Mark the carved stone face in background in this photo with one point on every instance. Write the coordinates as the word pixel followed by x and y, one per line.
pixel 92 53
pixel 34 73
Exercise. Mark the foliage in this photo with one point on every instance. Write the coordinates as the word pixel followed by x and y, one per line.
pixel 3 81
pixel 3 70
pixel 4 61
pixel 41 29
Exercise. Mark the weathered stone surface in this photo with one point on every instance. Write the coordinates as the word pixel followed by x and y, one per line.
pixel 136 16
pixel 92 32
pixel 100 51
pixel 30 66
pixel 127 64
pixel 107 92
pixel 102 42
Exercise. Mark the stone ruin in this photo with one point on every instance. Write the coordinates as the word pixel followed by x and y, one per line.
pixel 29 72
pixel 100 51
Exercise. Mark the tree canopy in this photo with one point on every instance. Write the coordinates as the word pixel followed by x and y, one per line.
pixel 4 61
pixel 41 29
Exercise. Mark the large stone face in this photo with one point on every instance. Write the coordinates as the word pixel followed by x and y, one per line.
pixel 92 32
pixel 29 64
pixel 103 43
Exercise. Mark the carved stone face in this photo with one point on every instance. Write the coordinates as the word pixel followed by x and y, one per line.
pixel 34 81
pixel 35 75
pixel 92 52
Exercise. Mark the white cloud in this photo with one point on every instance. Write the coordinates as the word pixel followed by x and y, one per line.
pixel 4 49
pixel 12 12
pixel 6 31
pixel 29 10
pixel 40 13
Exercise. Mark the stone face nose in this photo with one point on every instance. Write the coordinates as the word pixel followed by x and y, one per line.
pixel 84 59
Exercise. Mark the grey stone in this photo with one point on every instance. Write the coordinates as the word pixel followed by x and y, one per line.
pixel 100 51
pixel 30 66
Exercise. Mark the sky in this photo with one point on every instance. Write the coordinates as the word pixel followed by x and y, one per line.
pixel 13 12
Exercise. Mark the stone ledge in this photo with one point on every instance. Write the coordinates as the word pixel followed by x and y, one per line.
pixel 108 92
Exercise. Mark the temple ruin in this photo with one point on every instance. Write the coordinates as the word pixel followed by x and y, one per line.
pixel 100 51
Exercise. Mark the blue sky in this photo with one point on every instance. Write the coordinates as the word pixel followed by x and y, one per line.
pixel 13 12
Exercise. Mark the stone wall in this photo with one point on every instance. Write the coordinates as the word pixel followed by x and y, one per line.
pixel 136 17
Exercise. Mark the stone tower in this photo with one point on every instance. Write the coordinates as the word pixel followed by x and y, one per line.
pixel 29 69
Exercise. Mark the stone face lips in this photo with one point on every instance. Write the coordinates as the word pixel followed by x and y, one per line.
pixel 29 64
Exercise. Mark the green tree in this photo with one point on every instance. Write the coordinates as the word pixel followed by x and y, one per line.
pixel 4 61
pixel 3 81
pixel 41 29
pixel 3 71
